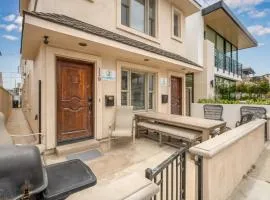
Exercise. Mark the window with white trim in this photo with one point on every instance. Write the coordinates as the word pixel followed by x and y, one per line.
pixel 137 89
pixel 139 15
pixel 177 18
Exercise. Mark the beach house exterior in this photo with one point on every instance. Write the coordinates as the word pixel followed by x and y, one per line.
pixel 83 58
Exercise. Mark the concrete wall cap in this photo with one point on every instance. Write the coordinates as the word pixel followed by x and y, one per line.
pixel 210 148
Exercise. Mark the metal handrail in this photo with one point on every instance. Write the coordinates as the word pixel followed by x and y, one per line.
pixel 164 172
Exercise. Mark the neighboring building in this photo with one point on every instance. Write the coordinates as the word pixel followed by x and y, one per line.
pixel 1 79
pixel 225 36
pixel 265 77
pixel 78 55
pixel 247 74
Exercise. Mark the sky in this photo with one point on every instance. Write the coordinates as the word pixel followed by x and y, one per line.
pixel 254 14
pixel 10 33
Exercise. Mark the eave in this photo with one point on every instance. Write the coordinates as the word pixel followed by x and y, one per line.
pixel 220 18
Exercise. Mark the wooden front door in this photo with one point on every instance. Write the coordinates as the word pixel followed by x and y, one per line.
pixel 176 95
pixel 75 101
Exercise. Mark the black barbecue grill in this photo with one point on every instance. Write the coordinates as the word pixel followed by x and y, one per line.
pixel 22 175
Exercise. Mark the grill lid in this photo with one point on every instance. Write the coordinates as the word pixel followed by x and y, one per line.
pixel 21 169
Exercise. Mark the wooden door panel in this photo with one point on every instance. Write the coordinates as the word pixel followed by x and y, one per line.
pixel 176 96
pixel 75 88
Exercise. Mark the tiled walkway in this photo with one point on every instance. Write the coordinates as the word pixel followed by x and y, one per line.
pixel 256 186
pixel 17 125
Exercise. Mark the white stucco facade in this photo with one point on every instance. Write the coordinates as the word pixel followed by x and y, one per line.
pixel 104 54
pixel 107 54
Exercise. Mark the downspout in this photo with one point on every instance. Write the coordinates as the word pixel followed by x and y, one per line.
pixel 35 7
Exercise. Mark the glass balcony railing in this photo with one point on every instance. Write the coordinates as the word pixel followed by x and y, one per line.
pixel 226 63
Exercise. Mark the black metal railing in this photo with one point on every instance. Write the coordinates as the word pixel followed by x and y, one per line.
pixel 199 163
pixel 170 176
pixel 226 63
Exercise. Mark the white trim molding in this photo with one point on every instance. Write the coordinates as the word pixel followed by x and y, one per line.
pixel 181 23
pixel 134 31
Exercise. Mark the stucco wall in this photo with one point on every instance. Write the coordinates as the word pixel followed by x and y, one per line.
pixel 31 91
pixel 231 112
pixel 5 102
pixel 44 69
pixel 202 87
pixel 106 14
pixel 194 40
pixel 227 157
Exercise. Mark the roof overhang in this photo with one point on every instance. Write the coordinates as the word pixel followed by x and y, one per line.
pixel 23 5
pixel 248 70
pixel 65 37
pixel 220 18
pixel 188 7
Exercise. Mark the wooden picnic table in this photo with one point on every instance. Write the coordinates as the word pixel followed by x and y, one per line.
pixel 205 126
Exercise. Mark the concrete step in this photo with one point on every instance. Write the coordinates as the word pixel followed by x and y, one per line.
pixel 77 147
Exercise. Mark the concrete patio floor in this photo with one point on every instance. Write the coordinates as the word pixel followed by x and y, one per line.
pixel 122 159
pixel 256 185
pixel 18 125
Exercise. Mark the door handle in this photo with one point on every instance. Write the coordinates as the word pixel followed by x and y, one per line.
pixel 90 101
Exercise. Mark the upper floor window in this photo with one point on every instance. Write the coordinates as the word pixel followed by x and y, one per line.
pixel 139 15
pixel 177 18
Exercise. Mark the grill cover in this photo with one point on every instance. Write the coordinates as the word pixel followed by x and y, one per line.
pixel 21 166
pixel 67 178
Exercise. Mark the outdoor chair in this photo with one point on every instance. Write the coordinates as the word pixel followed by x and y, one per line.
pixel 214 112
pixel 258 113
pixel 245 119
pixel 123 125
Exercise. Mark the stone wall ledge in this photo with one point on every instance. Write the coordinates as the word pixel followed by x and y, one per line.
pixel 212 147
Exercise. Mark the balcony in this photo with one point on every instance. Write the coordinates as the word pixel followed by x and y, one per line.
pixel 227 64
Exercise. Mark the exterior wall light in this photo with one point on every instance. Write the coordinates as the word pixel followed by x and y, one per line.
pixel 212 83
pixel 46 39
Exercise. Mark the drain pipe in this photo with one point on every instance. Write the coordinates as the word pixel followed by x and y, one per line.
pixel 35 7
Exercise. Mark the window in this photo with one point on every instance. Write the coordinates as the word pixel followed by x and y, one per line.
pixel 177 23
pixel 137 89
pixel 151 91
pixel 124 88
pixel 220 44
pixel 226 52
pixel 125 12
pixel 190 84
pixel 139 15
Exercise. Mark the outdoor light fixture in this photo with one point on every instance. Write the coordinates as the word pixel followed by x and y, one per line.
pixel 82 44
pixel 46 39
pixel 212 83
pixel 146 59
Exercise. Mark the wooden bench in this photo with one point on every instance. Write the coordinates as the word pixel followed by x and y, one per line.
pixel 186 135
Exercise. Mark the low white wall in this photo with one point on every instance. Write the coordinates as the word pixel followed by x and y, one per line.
pixel 231 112
pixel 5 102
pixel 227 157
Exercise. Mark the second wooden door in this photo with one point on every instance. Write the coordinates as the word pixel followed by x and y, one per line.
pixel 176 95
